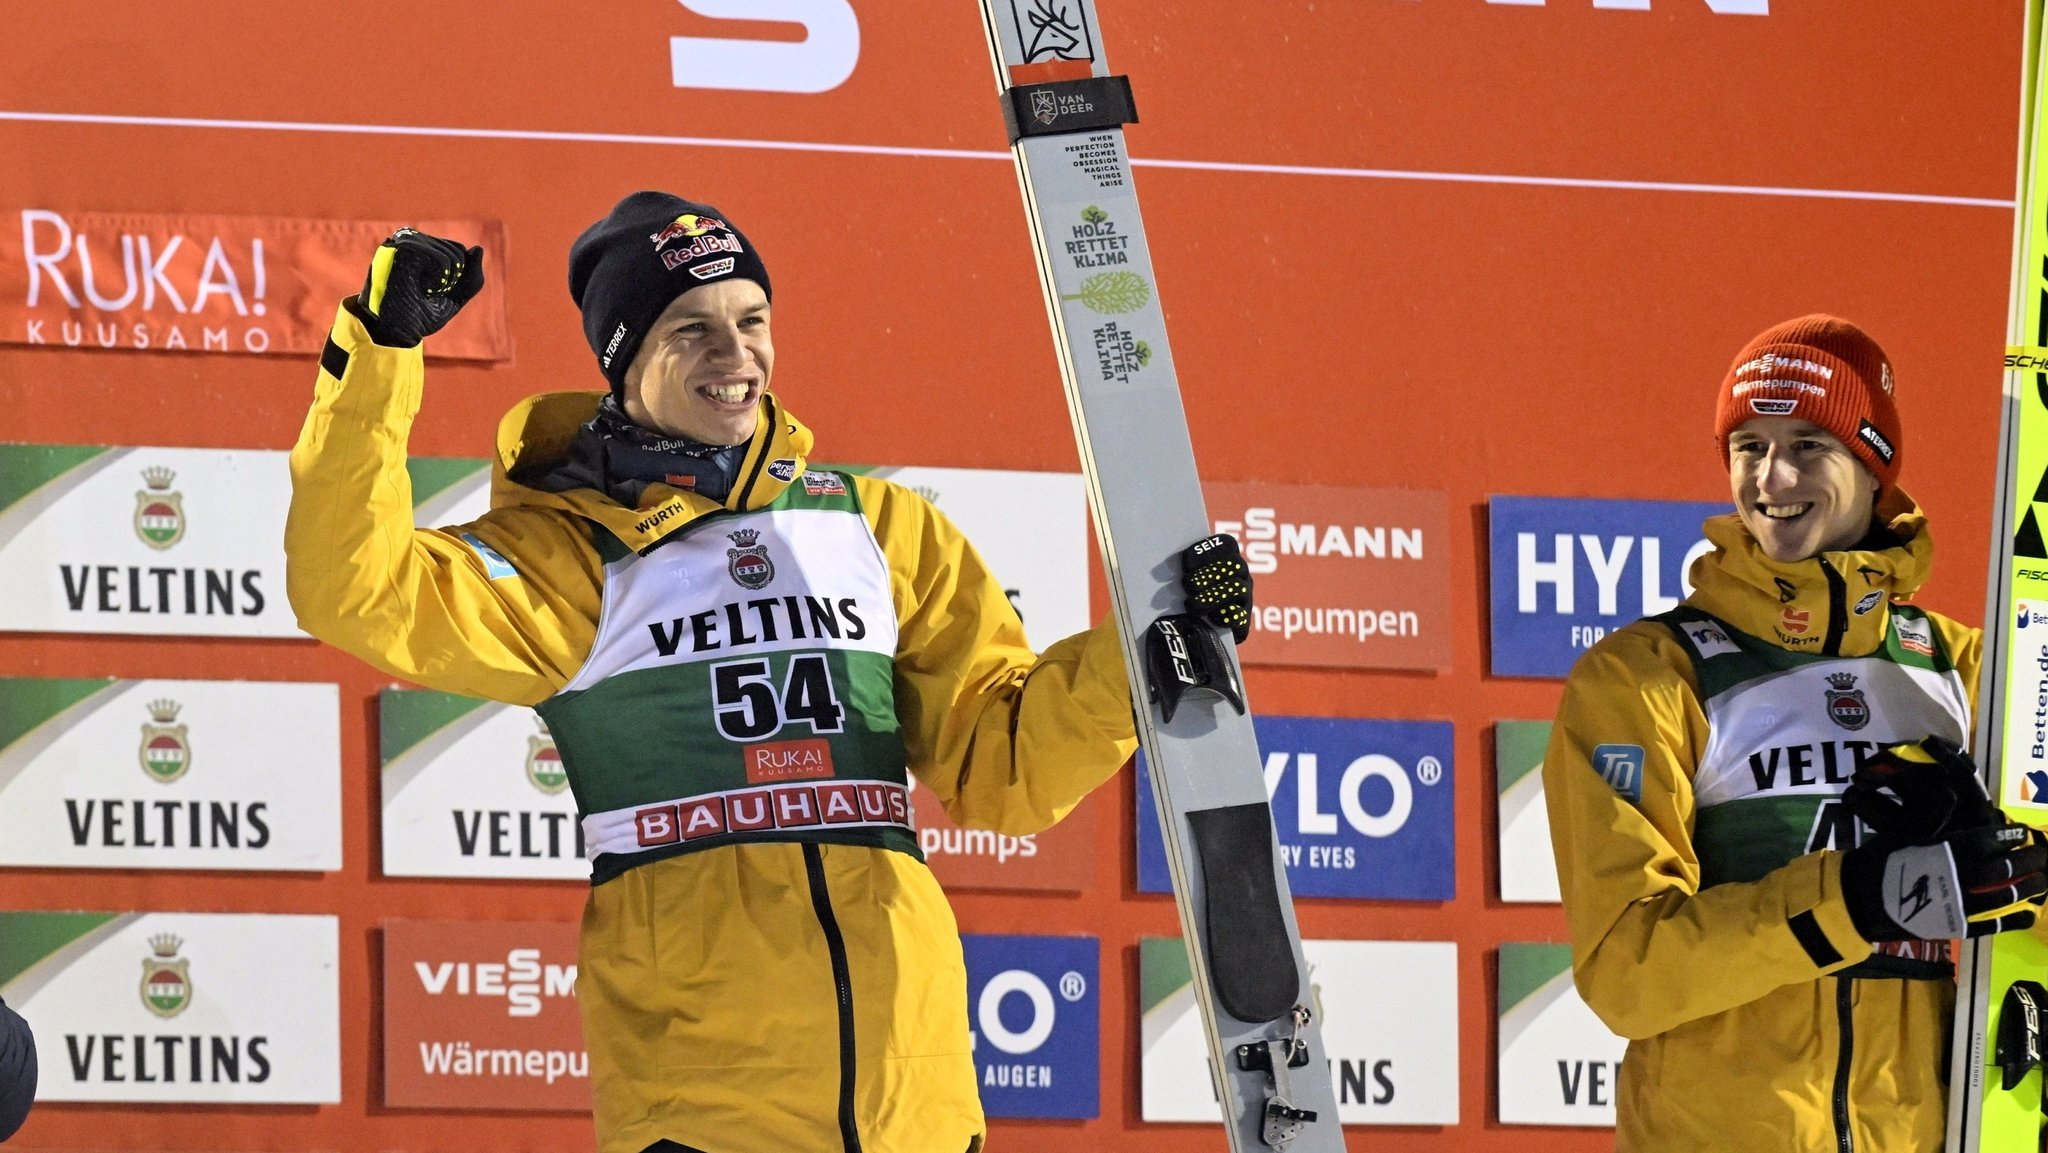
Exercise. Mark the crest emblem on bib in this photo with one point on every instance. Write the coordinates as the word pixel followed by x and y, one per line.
pixel 165 753
pixel 749 563
pixel 166 982
pixel 1846 706
pixel 159 512
pixel 544 762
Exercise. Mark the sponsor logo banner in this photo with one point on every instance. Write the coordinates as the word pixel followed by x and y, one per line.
pixel 1528 870
pixel 161 774
pixel 1389 1012
pixel 183 1007
pixel 2026 707
pixel 1558 1064
pixel 1363 808
pixel 166 541
pixel 482 1015
pixel 1036 1021
pixel 1056 860
pixel 472 788
pixel 1346 577
pixel 1565 572
pixel 1030 527
pixel 181 283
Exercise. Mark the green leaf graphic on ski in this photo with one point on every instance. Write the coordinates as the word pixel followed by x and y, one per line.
pixel 1112 293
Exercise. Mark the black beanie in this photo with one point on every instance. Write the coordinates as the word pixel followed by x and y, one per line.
pixel 651 248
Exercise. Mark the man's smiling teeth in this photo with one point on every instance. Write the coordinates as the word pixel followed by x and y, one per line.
pixel 1783 511
pixel 726 393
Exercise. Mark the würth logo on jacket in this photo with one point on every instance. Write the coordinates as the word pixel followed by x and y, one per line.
pixel 1846 706
pixel 749 563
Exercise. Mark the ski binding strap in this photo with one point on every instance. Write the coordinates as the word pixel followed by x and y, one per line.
pixel 1062 106
pixel 1183 652
pixel 2019 1032
pixel 1283 1120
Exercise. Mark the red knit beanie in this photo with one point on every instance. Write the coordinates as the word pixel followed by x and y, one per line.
pixel 1821 369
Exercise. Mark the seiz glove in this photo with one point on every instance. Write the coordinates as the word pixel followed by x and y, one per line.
pixel 1919 791
pixel 416 284
pixel 1217 584
pixel 1969 883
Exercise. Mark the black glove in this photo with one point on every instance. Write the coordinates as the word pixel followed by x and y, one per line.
pixel 416 284
pixel 1217 584
pixel 1969 883
pixel 1920 791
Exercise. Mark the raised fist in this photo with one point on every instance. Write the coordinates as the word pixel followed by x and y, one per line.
pixel 417 283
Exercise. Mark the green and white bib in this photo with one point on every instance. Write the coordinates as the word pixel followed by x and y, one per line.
pixel 741 687
pixel 1787 730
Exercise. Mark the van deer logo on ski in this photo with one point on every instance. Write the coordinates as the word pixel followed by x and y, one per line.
pixel 165 754
pixel 1846 706
pixel 166 980
pixel 749 563
pixel 159 512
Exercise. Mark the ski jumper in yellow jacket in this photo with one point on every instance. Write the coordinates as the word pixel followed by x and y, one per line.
pixel 1691 780
pixel 739 691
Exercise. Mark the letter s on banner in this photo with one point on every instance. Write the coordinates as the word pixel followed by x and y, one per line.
pixel 820 62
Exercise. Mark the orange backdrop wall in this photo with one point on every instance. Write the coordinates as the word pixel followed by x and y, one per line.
pixel 1481 248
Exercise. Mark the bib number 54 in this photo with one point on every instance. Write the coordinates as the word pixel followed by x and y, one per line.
pixel 749 705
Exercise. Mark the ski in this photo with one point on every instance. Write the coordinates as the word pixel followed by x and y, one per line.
pixel 1998 1002
pixel 1066 112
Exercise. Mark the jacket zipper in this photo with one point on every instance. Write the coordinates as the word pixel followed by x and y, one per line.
pixel 1845 1019
pixel 842 984
pixel 1838 609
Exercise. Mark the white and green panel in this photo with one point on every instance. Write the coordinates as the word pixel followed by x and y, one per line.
pixel 1030 527
pixel 1389 1014
pixel 1558 1064
pixel 178 1007
pixel 166 541
pixel 1528 868
pixel 170 774
pixel 472 788
pixel 448 490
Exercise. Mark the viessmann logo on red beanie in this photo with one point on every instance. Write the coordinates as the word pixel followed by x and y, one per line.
pixel 1821 369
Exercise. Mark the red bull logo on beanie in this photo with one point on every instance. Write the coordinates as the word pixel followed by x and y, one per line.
pixel 707 236
pixel 688 224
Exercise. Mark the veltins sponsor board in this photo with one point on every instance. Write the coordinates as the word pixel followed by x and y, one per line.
pixel 1558 1063
pixel 1055 860
pixel 1030 527
pixel 1565 572
pixel 2026 720
pixel 162 541
pixel 1528 870
pixel 448 490
pixel 192 1007
pixel 1035 1016
pixel 1363 808
pixel 170 774
pixel 184 283
pixel 482 1015
pixel 472 788
pixel 1346 577
pixel 1389 1014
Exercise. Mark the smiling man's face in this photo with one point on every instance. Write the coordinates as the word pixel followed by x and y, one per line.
pixel 1799 490
pixel 704 365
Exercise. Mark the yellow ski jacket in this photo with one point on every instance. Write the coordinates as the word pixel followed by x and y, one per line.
pixel 753 998
pixel 1747 1029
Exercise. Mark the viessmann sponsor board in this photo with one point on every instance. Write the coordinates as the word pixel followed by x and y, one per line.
pixel 1528 869
pixel 1346 577
pixel 178 1007
pixel 1362 807
pixel 161 282
pixel 1565 572
pixel 1036 1019
pixel 1558 1064
pixel 1389 1013
pixel 163 541
pixel 472 788
pixel 482 1015
pixel 164 774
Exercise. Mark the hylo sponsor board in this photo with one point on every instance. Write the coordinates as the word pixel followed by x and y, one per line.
pixel 1363 808
pixel 1036 1017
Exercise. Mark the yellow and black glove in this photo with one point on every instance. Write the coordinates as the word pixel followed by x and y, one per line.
pixel 416 284
pixel 1217 584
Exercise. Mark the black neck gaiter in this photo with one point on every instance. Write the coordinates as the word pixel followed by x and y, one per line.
pixel 620 459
